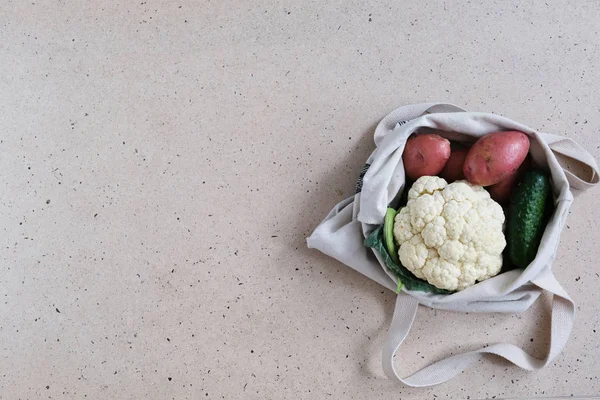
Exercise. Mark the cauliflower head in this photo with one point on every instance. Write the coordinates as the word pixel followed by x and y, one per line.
pixel 450 235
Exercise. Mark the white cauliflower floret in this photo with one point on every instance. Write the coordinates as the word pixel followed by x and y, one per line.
pixel 450 234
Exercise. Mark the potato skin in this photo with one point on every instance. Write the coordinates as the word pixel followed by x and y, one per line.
pixel 425 154
pixel 453 170
pixel 502 190
pixel 496 156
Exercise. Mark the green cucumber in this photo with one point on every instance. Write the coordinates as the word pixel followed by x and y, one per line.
pixel 388 234
pixel 526 217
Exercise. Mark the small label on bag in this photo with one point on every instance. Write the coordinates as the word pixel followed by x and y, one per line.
pixel 359 183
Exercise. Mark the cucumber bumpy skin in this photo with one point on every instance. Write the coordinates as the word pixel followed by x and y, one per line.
pixel 388 234
pixel 526 220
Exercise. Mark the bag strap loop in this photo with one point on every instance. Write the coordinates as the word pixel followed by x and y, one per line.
pixel 563 314
pixel 579 165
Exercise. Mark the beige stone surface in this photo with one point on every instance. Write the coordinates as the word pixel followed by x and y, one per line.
pixel 162 163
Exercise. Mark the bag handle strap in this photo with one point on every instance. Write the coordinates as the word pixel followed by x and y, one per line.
pixel 409 112
pixel 563 313
pixel 579 165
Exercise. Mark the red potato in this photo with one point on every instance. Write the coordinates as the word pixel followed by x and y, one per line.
pixel 496 156
pixel 501 191
pixel 453 170
pixel 425 154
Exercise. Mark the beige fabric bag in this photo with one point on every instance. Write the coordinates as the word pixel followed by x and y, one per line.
pixel 342 233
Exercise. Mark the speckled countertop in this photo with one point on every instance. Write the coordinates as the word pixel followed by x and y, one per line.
pixel 163 162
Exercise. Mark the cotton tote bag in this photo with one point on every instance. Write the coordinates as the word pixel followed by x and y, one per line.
pixel 342 233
